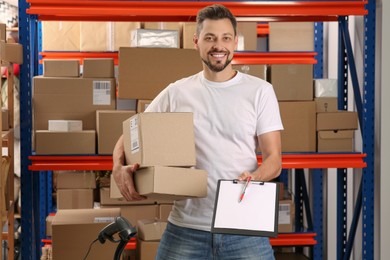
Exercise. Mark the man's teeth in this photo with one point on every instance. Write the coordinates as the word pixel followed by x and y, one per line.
pixel 218 55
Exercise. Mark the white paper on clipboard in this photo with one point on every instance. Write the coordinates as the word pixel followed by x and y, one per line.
pixel 256 214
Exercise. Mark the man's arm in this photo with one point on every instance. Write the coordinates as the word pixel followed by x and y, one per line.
pixel 123 174
pixel 270 145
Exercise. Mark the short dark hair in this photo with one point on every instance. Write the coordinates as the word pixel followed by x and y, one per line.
pixel 214 12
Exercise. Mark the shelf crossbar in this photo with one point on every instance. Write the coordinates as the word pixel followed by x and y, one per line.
pixel 289 161
pixel 186 10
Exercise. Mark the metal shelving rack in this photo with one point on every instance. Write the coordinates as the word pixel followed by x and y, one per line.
pixel 35 183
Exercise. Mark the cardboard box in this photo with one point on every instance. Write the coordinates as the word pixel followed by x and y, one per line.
pixel 292 82
pixel 142 105
pixel 340 120
pixel 335 141
pixel 75 180
pixel 60 36
pixel 326 104
pixel 49 221
pixel 155 38
pixel 299 121
pixel 146 250
pixel 173 183
pixel 163 26
pixel 133 213
pixel 141 79
pixel 49 142
pixel 61 68
pixel 98 68
pixel 164 211
pixel 189 29
pixel 74 198
pixel 105 199
pixel 254 70
pixel 74 231
pixel 325 88
pixel 3 32
pixel 95 36
pixel 165 139
pixel 291 36
pixel 11 52
pixel 150 229
pixel 247 36
pixel 66 125
pixel 286 216
pixel 71 99
pixel 122 33
pixel 4 119
pixel 109 127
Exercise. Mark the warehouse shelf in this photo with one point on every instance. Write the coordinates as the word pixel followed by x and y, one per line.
pixel 294 239
pixel 289 161
pixel 262 29
pixel 239 57
pixel 99 10
pixel 90 10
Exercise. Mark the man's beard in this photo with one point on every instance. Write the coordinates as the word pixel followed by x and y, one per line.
pixel 217 67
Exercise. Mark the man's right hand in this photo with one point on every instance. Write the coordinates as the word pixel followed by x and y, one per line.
pixel 124 178
pixel 124 174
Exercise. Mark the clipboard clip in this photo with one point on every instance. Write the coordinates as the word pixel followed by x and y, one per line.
pixel 235 181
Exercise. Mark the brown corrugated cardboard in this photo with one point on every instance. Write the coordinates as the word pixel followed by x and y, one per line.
pixel 74 198
pixel 146 250
pixel 142 105
pixel 122 33
pixel 76 180
pixel 133 213
pixel 49 221
pixel 291 36
pixel 66 125
pixel 286 216
pixel 60 36
pixel 189 29
pixel 105 199
pixel 326 104
pixel 61 68
pixel 254 70
pixel 3 30
pixel 299 121
pixel 335 141
pixel 74 231
pixel 165 139
pixel 150 229
pixel 98 68
pixel 164 210
pixel 11 52
pixel 247 36
pixel 109 127
pixel 340 120
pixel 141 79
pixel 292 82
pixel 4 119
pixel 71 99
pixel 49 142
pixel 171 182
pixel 95 36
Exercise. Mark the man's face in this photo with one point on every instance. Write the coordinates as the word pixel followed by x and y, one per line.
pixel 216 43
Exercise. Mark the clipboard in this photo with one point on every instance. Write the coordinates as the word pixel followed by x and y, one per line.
pixel 256 215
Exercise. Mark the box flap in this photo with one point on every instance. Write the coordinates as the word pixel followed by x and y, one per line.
pixel 85 216
pixel 335 134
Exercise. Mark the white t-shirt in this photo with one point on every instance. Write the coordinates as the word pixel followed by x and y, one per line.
pixel 228 117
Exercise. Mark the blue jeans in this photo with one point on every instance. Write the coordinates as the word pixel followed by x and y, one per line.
pixel 178 243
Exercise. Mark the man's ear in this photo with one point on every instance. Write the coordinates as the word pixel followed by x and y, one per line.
pixel 195 39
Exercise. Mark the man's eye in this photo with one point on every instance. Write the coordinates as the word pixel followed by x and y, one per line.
pixel 209 39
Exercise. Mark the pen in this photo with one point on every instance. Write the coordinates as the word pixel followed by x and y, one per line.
pixel 244 189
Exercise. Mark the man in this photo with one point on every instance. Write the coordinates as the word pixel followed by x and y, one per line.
pixel 233 113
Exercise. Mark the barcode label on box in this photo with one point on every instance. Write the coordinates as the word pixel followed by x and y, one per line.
pixel 284 214
pixel 134 135
pixel 101 93
pixel 104 219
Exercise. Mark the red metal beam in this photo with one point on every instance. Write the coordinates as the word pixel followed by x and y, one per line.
pixel 239 57
pixel 289 161
pixel 186 11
